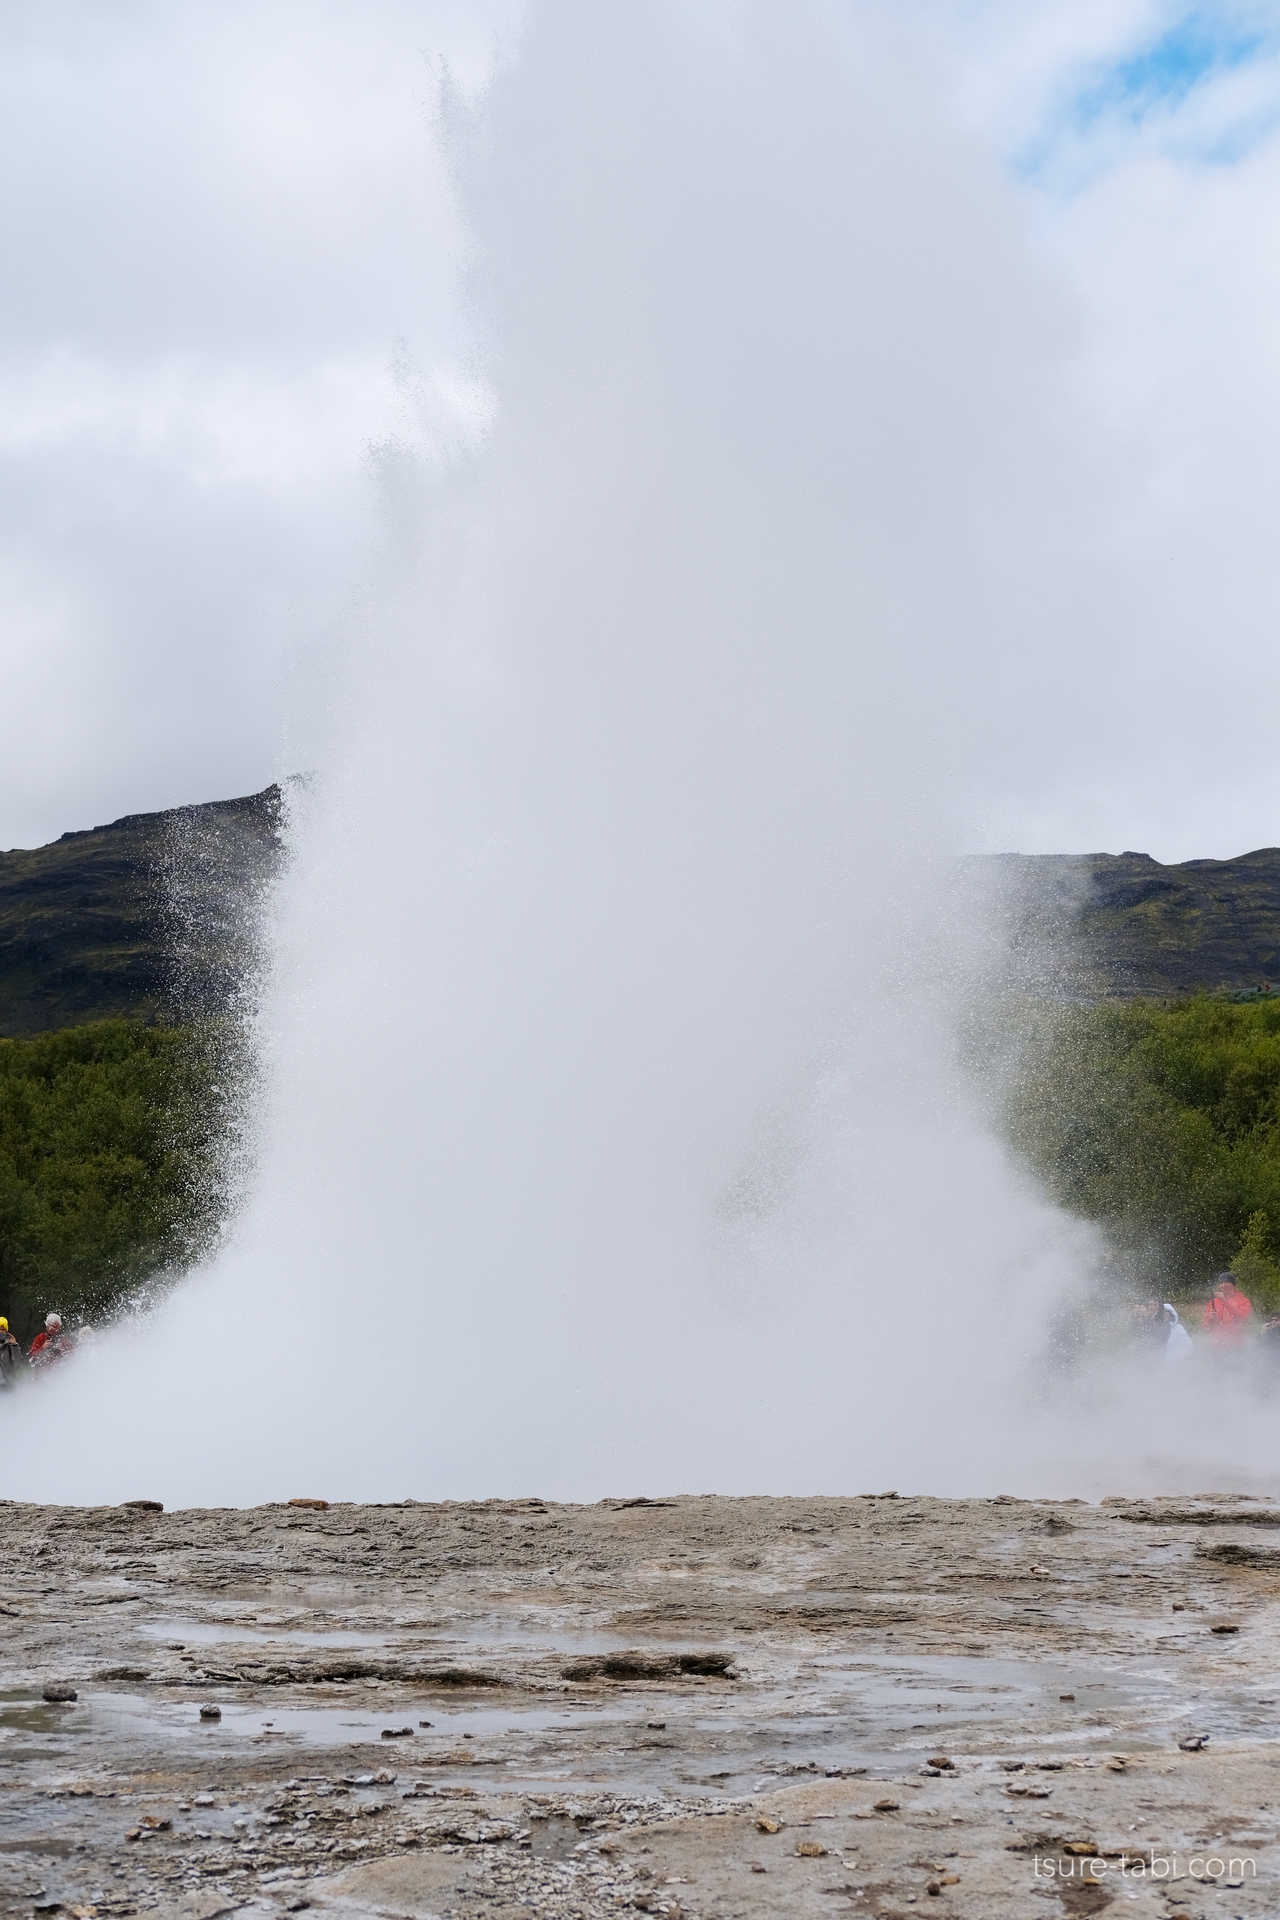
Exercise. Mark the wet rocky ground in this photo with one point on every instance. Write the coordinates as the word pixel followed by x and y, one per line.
pixel 701 1708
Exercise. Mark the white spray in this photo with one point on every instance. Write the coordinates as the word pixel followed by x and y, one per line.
pixel 613 1139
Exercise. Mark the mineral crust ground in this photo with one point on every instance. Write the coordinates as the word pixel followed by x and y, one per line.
pixel 702 1708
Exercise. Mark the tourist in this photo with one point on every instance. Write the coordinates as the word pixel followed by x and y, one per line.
pixel 51 1346
pixel 1227 1314
pixel 1269 1338
pixel 1148 1323
pixel 1178 1344
pixel 10 1356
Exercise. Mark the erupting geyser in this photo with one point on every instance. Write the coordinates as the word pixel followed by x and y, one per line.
pixel 610 1131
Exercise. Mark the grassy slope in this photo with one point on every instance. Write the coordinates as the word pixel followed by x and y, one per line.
pixel 1162 1123
pixel 111 1141
pixel 147 918
pixel 1132 926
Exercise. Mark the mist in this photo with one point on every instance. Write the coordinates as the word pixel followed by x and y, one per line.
pixel 611 1132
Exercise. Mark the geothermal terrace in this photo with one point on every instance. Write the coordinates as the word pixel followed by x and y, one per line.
pixel 694 1707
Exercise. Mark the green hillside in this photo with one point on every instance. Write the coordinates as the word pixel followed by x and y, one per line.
pixel 1123 925
pixel 114 1145
pixel 1162 1124
pixel 122 953
pixel 1140 1094
pixel 150 917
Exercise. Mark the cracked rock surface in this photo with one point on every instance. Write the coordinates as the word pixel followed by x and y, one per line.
pixel 702 1708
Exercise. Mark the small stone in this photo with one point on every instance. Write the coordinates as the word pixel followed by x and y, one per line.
pixel 59 1691
pixel 941 1761
pixel 133 1833
pixel 1193 1742
pixel 756 1867
pixel 203 1800
pixel 384 1779
pixel 765 1823
pixel 811 1850
pixel 155 1822
pixel 1066 1696
pixel 209 1713
pixel 885 1806
pixel 1116 1764
pixel 933 1886
pixel 1082 1847
pixel 1225 1626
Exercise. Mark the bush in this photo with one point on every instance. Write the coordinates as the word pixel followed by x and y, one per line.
pixel 1256 1269
pixel 111 1145
pixel 1161 1123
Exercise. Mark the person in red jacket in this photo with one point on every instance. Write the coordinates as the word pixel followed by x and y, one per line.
pixel 52 1345
pixel 1227 1314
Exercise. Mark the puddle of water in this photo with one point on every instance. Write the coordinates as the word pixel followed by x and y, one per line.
pixel 1147 1705
pixel 115 1713
pixel 870 1712
pixel 479 1637
pixel 22 1714
pixel 25 1712
pixel 205 1633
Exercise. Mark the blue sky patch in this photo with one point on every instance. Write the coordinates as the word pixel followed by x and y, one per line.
pixel 1164 73
pixel 1206 42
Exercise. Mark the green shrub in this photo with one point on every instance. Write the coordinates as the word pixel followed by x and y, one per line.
pixel 111 1147
pixel 1161 1123
pixel 1255 1267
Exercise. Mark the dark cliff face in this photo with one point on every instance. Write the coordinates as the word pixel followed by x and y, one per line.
pixel 1126 925
pixel 157 916
pixel 154 916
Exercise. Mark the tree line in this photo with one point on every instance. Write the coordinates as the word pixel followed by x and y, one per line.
pixel 1162 1124
pixel 1159 1122
pixel 114 1148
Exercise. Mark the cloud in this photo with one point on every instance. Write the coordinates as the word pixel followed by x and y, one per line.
pixel 233 261
pixel 1065 91
pixel 1142 137
pixel 227 235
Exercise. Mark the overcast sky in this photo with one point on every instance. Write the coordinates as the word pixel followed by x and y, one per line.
pixel 230 258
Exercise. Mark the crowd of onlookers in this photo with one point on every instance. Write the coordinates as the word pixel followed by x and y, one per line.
pixel 52 1345
pixel 1228 1323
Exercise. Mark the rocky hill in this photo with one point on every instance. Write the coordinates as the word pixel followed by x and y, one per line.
pixel 152 916
pixel 155 916
pixel 1123 924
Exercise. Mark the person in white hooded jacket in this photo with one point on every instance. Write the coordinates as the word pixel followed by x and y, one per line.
pixel 1178 1344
